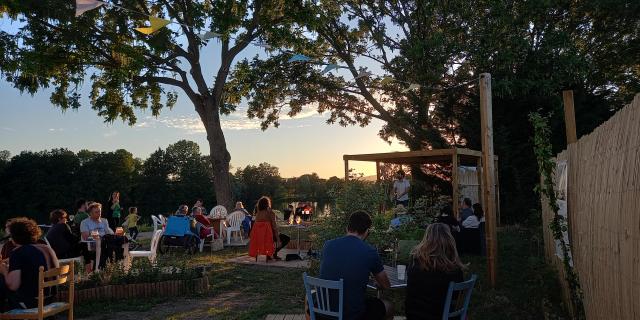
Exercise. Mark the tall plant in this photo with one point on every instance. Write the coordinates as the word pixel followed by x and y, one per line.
pixel 546 166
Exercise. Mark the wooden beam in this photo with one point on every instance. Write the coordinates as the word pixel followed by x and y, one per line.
pixel 398 155
pixel 488 172
pixel 454 186
pixel 569 116
pixel 346 170
pixel 377 171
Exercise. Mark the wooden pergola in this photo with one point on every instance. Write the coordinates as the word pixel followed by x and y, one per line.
pixel 456 157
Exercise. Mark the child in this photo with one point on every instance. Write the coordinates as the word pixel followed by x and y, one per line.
pixel 132 222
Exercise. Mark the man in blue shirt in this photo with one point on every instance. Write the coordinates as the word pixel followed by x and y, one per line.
pixel 351 259
pixel 466 211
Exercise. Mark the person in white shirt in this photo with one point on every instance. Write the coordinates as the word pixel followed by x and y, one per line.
pixel 400 191
pixel 473 221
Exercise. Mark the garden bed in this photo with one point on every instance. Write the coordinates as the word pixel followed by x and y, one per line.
pixel 170 288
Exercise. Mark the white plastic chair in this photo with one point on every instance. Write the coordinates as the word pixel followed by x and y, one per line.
pixel 156 223
pixel 218 212
pixel 234 224
pixel 151 254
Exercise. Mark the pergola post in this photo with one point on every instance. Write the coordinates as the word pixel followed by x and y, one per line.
pixel 454 184
pixel 486 119
pixel 378 173
pixel 346 170
pixel 480 187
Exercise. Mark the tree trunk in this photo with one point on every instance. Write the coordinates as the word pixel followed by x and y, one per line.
pixel 220 157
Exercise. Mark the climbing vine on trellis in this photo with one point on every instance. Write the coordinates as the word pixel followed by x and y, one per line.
pixel 546 166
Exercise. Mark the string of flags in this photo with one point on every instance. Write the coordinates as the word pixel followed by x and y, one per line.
pixel 157 23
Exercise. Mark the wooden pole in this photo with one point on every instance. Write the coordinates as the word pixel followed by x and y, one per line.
pixel 569 116
pixel 481 199
pixel 454 184
pixel 488 172
pixel 497 183
pixel 377 171
pixel 346 170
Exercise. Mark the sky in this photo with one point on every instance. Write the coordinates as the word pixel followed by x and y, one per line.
pixel 303 144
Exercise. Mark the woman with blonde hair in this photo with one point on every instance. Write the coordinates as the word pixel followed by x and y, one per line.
pixel 434 264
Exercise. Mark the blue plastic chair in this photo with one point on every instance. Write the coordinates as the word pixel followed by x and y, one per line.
pixel 318 297
pixel 465 289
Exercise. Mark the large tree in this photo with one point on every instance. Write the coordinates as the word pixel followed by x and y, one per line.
pixel 129 70
pixel 533 49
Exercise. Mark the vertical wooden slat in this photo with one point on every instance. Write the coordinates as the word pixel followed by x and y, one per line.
pixel 455 187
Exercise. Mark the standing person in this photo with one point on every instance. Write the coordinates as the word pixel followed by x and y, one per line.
pixel 264 231
pixel 400 190
pixel 132 222
pixel 353 260
pixel 65 244
pixel 114 211
pixel 81 213
pixel 21 275
pixel 434 264
pixel 466 210
pixel 199 203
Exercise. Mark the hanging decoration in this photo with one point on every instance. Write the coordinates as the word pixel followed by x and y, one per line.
pixel 209 35
pixel 83 6
pixel 363 74
pixel 299 57
pixel 156 24
pixel 330 67
pixel 413 86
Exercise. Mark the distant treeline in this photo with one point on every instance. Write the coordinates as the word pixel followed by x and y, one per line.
pixel 34 183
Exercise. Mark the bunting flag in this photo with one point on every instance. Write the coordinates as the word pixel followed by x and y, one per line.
pixel 299 57
pixel 83 6
pixel 413 86
pixel 386 80
pixel 264 45
pixel 156 24
pixel 363 74
pixel 330 67
pixel 209 35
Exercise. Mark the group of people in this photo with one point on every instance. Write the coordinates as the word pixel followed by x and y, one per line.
pixel 434 264
pixel 25 250
pixel 468 230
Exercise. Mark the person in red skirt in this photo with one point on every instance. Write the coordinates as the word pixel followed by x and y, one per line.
pixel 264 231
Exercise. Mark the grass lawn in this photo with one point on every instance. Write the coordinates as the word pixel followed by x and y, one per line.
pixel 526 289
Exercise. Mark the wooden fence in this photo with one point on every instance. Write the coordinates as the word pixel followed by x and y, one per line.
pixel 603 197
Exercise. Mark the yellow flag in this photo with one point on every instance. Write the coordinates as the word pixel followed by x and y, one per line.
pixel 386 80
pixel 156 24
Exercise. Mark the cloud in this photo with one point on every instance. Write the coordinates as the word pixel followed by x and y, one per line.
pixel 110 134
pixel 56 130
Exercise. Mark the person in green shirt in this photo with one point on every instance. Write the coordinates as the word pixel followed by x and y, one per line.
pixel 81 212
pixel 116 210
pixel 132 222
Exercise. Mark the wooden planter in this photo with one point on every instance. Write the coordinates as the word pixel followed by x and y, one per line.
pixel 170 288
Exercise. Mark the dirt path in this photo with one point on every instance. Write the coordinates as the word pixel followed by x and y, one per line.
pixel 182 308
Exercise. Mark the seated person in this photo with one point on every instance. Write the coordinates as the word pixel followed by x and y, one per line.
pixel 466 210
pixel 61 239
pixel 446 217
pixel 434 264
pixel 81 214
pixel 94 224
pixel 8 245
pixel 470 235
pixel 205 224
pixel 183 210
pixel 287 213
pixel 352 259
pixel 246 222
pixel 20 277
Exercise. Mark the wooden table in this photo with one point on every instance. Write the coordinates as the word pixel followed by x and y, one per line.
pixel 396 283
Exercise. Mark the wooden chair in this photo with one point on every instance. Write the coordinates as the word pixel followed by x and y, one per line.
pixel 318 296
pixel 462 289
pixel 61 275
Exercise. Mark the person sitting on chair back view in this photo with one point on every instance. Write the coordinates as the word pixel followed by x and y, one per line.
pixel 351 259
pixel 434 264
